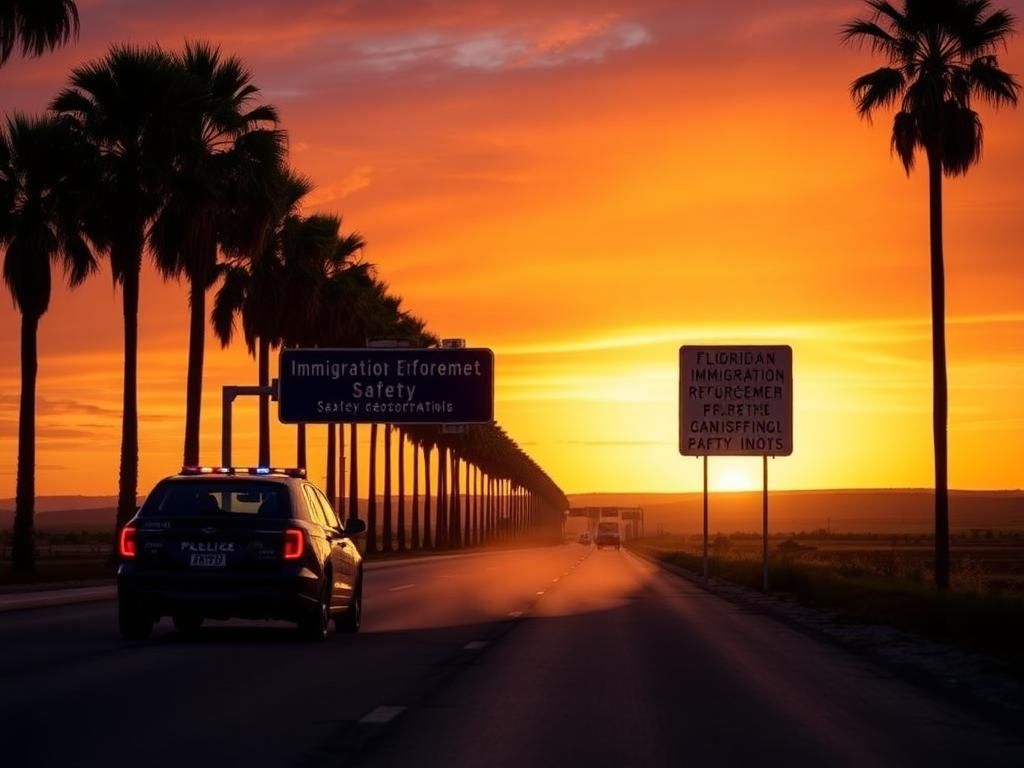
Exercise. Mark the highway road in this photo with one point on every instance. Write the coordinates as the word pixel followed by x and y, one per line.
pixel 558 656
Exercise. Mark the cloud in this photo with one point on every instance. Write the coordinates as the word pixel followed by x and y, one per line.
pixel 528 46
pixel 358 179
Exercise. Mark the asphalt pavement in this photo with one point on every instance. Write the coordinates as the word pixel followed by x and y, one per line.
pixel 556 656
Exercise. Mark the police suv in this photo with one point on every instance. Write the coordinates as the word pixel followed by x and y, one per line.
pixel 225 542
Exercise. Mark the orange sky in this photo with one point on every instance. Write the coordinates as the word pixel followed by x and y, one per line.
pixel 584 187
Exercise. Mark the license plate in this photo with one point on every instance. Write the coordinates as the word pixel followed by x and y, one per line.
pixel 208 561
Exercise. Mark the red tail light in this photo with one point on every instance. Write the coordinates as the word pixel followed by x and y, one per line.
pixel 294 543
pixel 127 542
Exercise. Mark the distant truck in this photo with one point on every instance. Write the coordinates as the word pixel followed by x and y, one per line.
pixel 608 535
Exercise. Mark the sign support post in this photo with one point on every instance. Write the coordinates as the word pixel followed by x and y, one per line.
pixel 228 395
pixel 705 518
pixel 736 401
pixel 764 498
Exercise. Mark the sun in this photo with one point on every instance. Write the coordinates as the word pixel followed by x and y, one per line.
pixel 732 479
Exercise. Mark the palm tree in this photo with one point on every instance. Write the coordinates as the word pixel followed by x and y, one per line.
pixel 226 154
pixel 36 25
pixel 941 59
pixel 120 105
pixel 40 207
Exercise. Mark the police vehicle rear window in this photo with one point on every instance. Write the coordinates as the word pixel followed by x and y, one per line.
pixel 216 497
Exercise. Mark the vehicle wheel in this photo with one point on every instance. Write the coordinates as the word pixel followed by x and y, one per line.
pixel 187 623
pixel 134 623
pixel 316 625
pixel 353 616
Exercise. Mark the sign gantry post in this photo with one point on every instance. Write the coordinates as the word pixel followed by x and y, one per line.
pixel 736 401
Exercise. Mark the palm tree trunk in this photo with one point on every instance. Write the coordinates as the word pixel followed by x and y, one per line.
pixel 467 509
pixel 194 379
pixel 442 497
pixel 263 361
pixel 427 541
pixel 331 489
pixel 415 544
pixel 128 472
pixel 371 501
pixel 388 545
pixel 23 538
pixel 353 474
pixel 940 406
pixel 454 529
pixel 478 536
pixel 401 491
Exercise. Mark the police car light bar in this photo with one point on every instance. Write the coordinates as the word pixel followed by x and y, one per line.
pixel 288 471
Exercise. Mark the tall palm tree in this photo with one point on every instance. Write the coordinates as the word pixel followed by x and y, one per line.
pixel 40 206
pixel 227 153
pixel 941 60
pixel 36 26
pixel 120 105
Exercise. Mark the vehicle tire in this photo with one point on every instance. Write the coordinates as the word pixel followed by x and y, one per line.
pixel 133 621
pixel 317 623
pixel 349 621
pixel 187 624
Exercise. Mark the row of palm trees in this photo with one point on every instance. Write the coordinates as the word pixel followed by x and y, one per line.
pixel 171 155
pixel 482 489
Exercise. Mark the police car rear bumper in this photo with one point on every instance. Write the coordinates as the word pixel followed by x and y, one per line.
pixel 288 596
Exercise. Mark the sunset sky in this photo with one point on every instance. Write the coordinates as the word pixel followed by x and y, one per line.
pixel 584 186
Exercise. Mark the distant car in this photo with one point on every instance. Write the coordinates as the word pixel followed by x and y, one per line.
pixel 608 535
pixel 248 543
pixel 585 538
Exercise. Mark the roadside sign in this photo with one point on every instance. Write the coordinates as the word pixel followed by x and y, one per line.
pixel 386 385
pixel 736 400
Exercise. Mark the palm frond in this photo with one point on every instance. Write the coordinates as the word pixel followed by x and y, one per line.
pixel 862 31
pixel 38 25
pixel 228 302
pixel 983 36
pixel 905 139
pixel 880 88
pixel 994 85
pixel 962 137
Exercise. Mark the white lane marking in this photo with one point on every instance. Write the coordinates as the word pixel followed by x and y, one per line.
pixel 399 589
pixel 382 715
pixel 515 614
pixel 475 645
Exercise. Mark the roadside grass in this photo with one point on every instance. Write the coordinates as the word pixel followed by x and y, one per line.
pixel 857 592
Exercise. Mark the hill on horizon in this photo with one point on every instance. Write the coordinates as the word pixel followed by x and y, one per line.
pixel 896 510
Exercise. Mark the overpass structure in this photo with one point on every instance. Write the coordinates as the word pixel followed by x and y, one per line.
pixel 630 519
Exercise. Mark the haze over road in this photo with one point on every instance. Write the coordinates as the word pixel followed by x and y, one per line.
pixel 551 656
